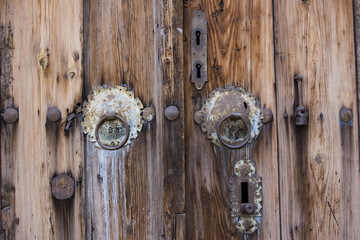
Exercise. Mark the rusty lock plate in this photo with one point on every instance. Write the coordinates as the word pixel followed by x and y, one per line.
pixel 199 49
pixel 246 197
pixel 231 116
pixel 112 117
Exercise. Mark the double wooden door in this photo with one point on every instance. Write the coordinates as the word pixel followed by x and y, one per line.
pixel 171 182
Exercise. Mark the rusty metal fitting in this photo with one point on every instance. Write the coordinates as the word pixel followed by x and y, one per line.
pixel 172 113
pixel 62 187
pixel 266 115
pixel 112 116
pixel 148 114
pixel 53 114
pixel 10 115
pixel 346 114
pixel 241 134
pixel 247 208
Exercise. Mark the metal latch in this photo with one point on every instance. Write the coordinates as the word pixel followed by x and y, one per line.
pixel 246 197
pixel 301 112
pixel 199 49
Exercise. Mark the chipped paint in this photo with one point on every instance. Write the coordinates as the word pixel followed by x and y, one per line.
pixel 114 99
pixel 221 103
pixel 245 171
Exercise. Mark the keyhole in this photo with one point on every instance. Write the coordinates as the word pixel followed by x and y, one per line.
pixel 198 68
pixel 198 33
pixel 244 192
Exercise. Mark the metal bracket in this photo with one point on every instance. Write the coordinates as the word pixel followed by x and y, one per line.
pixel 199 49
pixel 246 197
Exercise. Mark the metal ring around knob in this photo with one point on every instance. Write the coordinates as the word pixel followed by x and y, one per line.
pixel 233 116
pixel 110 116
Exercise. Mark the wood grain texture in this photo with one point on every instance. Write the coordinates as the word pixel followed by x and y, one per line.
pixel 42 43
pixel 240 52
pixel 136 191
pixel 319 166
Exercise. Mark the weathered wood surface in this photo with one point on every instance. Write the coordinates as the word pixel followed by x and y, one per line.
pixel 41 54
pixel 137 191
pixel 240 52
pixel 318 164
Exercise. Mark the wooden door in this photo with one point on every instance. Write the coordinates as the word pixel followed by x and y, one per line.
pixel 171 182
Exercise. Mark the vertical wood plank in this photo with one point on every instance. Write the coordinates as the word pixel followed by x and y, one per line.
pixel 319 166
pixel 240 52
pixel 136 191
pixel 40 68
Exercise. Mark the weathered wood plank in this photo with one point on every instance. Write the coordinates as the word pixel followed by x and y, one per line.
pixel 319 166
pixel 42 62
pixel 240 52
pixel 136 191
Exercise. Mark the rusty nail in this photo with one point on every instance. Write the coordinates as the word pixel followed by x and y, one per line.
pixel 198 117
pixel 148 114
pixel 53 114
pixel 62 187
pixel 10 115
pixel 171 113
pixel 346 114
pixel 267 115
pixel 247 208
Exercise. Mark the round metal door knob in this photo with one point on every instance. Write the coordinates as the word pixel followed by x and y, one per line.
pixel 53 114
pixel 62 187
pixel 233 131
pixel 10 115
pixel 172 113
pixel 114 129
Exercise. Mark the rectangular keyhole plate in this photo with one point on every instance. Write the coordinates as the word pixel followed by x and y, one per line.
pixel 246 188
pixel 199 49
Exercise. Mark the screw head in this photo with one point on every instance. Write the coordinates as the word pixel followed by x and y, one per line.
pixel 10 115
pixel 172 113
pixel 53 114
pixel 148 114
pixel 346 114
pixel 62 187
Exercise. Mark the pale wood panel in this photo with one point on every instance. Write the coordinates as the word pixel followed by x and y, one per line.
pixel 319 166
pixel 240 52
pixel 136 191
pixel 43 44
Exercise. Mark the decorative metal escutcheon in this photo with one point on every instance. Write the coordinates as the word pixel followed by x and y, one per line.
pixel 112 117
pixel 246 197
pixel 231 116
